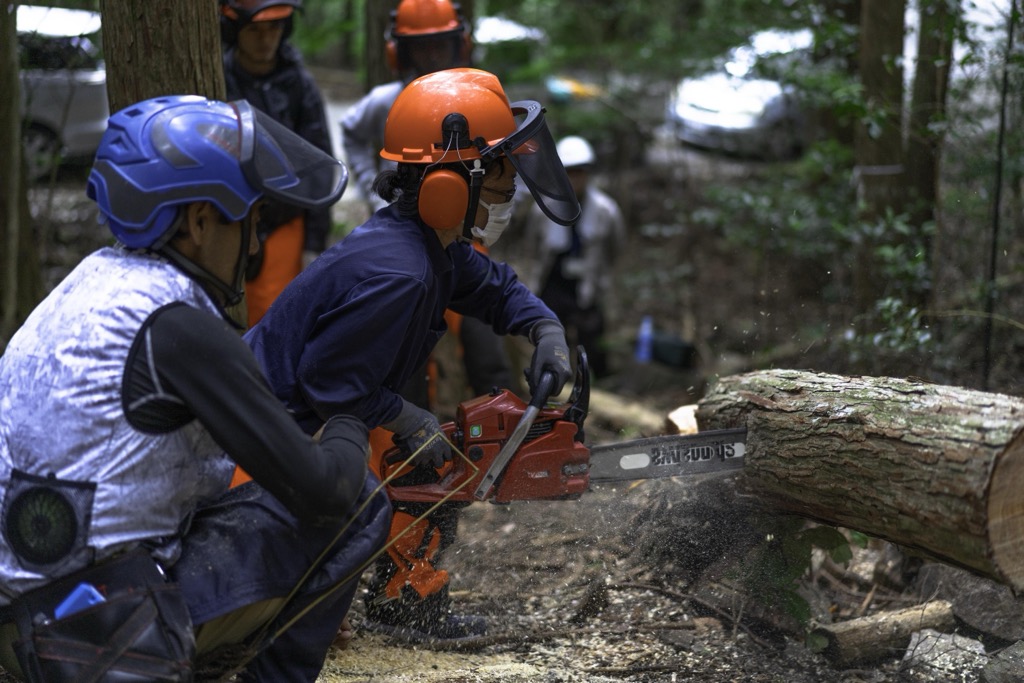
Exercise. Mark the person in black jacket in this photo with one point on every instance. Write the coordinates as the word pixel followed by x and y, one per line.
pixel 264 68
pixel 126 401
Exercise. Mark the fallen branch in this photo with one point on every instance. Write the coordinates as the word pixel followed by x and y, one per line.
pixel 481 642
pixel 686 597
pixel 879 636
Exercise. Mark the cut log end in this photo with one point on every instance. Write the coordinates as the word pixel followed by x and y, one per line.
pixel 1006 513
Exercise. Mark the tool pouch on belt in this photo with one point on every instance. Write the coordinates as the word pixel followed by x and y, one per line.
pixel 135 627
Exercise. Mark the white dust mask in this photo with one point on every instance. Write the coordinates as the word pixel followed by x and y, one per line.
pixel 498 218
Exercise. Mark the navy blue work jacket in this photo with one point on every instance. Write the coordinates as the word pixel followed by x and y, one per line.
pixel 347 333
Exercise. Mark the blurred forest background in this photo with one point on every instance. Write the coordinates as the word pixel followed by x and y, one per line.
pixel 891 245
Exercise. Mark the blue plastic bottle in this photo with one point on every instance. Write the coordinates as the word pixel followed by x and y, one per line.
pixel 645 340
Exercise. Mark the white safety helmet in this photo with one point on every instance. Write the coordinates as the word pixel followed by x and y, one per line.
pixel 575 151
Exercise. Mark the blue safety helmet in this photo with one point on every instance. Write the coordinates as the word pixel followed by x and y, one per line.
pixel 163 153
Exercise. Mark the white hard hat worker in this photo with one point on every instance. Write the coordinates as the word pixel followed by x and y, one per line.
pixel 577 156
pixel 575 151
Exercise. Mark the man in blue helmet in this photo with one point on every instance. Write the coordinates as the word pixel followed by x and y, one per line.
pixel 126 401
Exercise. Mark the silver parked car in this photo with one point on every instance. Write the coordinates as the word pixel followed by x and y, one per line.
pixel 736 110
pixel 63 85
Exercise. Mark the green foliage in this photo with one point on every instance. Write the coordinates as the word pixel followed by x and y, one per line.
pixel 316 37
pixel 773 570
pixel 653 37
pixel 894 329
pixel 802 212
pixel 816 642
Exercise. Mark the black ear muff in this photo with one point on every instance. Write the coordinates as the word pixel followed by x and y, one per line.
pixel 228 31
pixel 443 199
pixel 390 44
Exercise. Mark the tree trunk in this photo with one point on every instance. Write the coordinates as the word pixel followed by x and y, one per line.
pixel 161 48
pixel 10 129
pixel 928 107
pixel 878 139
pixel 378 20
pixel 21 285
pixel 846 14
pixel 935 468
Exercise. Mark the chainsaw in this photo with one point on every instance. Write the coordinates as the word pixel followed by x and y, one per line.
pixel 507 450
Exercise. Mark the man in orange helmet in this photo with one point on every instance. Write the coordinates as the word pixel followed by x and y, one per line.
pixel 262 67
pixel 353 327
pixel 424 36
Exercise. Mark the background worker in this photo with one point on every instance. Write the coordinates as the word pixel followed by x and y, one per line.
pixel 127 399
pixel 571 267
pixel 355 325
pixel 424 36
pixel 263 67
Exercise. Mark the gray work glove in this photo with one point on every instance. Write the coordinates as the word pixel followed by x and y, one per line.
pixel 414 427
pixel 551 354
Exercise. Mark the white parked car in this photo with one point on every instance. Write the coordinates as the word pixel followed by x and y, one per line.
pixel 63 85
pixel 734 110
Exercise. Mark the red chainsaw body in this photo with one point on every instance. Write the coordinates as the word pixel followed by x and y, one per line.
pixel 551 464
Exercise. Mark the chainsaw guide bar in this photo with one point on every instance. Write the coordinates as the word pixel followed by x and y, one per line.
pixel 669 456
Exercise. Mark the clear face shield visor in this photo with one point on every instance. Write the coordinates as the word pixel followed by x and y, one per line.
pixel 284 166
pixel 531 149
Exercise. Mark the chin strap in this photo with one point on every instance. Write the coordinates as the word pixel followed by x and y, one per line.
pixel 223 294
pixel 476 182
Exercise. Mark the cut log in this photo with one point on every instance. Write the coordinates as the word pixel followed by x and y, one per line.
pixel 620 414
pixel 935 468
pixel 880 636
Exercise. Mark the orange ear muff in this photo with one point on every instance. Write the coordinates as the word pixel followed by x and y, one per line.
pixel 443 199
pixel 391 55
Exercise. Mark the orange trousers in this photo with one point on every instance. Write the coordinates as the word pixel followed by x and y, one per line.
pixel 414 541
pixel 282 262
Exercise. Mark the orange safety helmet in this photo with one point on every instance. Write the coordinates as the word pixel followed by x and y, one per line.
pixel 459 120
pixel 237 13
pixel 419 27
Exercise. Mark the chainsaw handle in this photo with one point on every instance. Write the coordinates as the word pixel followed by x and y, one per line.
pixel 544 389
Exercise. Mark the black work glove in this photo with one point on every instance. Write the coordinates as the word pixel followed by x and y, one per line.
pixel 551 354
pixel 414 427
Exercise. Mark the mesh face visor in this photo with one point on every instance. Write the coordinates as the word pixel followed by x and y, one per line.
pixel 283 165
pixel 531 149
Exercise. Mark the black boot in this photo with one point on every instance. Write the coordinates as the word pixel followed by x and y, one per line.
pixel 415 620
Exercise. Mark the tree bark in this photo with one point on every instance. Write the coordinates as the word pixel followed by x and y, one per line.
pixel 10 129
pixel 878 147
pixel 161 48
pixel 935 468
pixel 377 21
pixel 878 636
pixel 927 108
pixel 21 284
